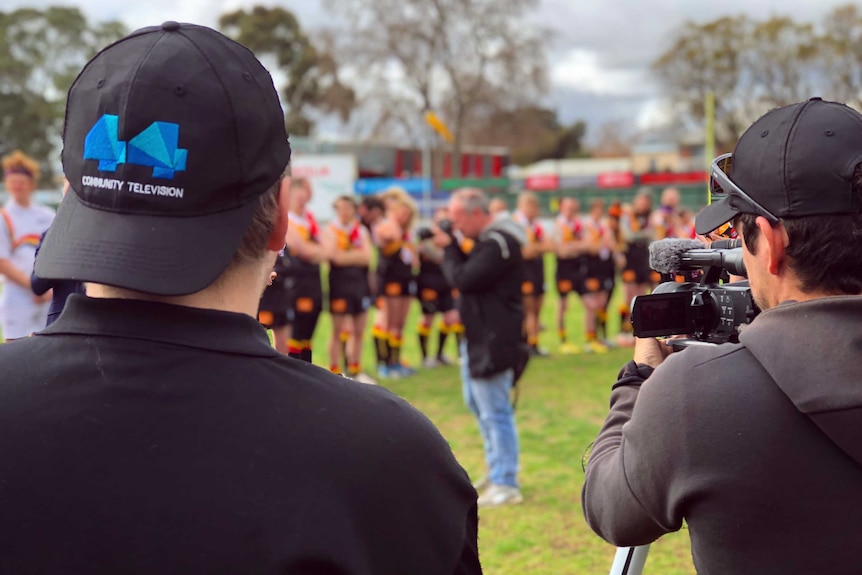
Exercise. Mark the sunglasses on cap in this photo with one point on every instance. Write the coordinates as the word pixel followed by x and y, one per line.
pixel 721 188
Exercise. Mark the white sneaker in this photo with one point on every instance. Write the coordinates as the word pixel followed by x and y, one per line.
pixel 430 363
pixel 499 495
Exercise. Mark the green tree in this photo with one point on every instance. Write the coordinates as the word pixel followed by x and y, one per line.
pixel 41 53
pixel 708 57
pixel 783 61
pixel 841 47
pixel 532 133
pixel 311 74
pixel 750 66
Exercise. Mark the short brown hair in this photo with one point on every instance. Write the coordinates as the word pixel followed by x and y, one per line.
pixel 825 251
pixel 253 244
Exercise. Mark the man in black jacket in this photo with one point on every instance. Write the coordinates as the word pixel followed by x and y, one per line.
pixel 755 445
pixel 152 428
pixel 489 281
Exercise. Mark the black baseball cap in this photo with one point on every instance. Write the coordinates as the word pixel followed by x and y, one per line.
pixel 171 135
pixel 794 161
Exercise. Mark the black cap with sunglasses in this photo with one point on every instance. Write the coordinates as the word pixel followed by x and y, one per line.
pixel 794 161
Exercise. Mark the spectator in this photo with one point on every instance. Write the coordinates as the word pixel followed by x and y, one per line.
pixel 489 282
pixel 304 254
pixel 152 428
pixel 22 222
pixel 533 288
pixel 274 311
pixel 637 233
pixel 569 249
pixel 600 274
pixel 395 273
pixel 348 249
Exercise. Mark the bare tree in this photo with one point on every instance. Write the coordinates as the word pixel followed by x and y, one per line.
pixel 750 66
pixel 704 58
pixel 614 140
pixel 782 59
pixel 311 73
pixel 451 56
pixel 841 46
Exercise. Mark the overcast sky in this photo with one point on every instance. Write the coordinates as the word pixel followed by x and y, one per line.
pixel 599 58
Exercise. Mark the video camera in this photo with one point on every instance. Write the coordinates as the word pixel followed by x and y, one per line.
pixel 708 311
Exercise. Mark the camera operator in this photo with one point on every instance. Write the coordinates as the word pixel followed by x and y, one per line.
pixel 489 281
pixel 756 445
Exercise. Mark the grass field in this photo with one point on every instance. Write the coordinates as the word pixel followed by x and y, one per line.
pixel 562 405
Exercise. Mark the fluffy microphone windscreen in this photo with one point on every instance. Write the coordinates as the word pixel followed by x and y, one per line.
pixel 664 255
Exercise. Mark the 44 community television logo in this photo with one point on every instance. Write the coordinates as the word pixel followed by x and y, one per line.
pixel 157 146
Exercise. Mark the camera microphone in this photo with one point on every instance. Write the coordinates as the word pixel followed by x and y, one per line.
pixel 665 256
pixel 673 255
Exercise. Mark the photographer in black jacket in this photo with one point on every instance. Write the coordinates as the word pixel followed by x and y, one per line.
pixel 755 446
pixel 489 281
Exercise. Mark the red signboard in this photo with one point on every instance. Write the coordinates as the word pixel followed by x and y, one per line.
pixel 496 166
pixel 542 182
pixel 671 178
pixel 616 180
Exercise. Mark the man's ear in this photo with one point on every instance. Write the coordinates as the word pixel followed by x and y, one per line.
pixel 774 241
pixel 279 231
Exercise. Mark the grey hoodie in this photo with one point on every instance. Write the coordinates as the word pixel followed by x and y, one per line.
pixel 504 222
pixel 757 446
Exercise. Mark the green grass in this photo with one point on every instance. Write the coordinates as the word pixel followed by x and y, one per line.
pixel 563 402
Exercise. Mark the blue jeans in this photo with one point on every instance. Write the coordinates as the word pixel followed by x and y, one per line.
pixel 488 399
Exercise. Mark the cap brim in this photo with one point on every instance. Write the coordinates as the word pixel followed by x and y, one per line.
pixel 158 255
pixel 714 216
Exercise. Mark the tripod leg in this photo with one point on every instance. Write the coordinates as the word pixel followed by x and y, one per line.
pixel 629 560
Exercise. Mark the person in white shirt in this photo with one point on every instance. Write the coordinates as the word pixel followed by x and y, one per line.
pixel 22 222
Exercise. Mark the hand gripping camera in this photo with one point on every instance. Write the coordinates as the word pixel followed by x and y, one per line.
pixel 708 311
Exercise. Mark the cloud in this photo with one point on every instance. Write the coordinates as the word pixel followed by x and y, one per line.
pixel 583 70
pixel 153 12
pixel 599 52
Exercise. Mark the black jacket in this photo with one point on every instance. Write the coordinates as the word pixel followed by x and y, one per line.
pixel 142 438
pixel 62 288
pixel 489 279
pixel 757 446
